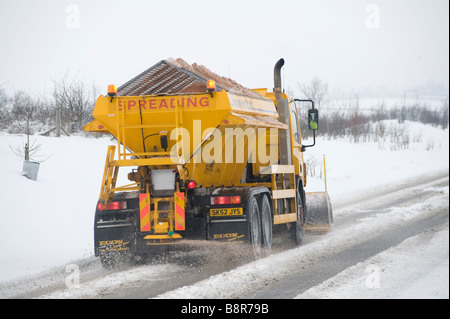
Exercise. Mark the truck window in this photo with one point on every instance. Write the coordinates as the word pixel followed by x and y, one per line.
pixel 294 119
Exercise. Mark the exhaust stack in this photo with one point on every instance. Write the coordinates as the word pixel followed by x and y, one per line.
pixel 277 78
pixel 284 140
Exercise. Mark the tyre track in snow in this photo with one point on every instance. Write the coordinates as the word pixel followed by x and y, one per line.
pixel 277 276
pixel 328 267
pixel 170 271
pixel 370 229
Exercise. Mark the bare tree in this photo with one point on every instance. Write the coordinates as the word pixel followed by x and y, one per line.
pixel 315 90
pixel 4 113
pixel 24 110
pixel 444 118
pixel 74 101
pixel 29 152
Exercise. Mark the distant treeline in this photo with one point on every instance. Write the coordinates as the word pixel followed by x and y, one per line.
pixel 74 102
pixel 368 125
pixel 71 101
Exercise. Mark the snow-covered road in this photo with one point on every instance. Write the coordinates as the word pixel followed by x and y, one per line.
pixel 278 275
pixel 46 231
pixel 349 262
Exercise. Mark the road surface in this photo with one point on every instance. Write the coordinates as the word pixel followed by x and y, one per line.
pixel 364 226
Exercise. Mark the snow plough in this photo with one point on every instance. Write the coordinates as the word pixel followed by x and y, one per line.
pixel 208 160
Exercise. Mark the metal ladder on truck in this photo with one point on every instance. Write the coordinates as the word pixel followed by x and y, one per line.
pixel 160 217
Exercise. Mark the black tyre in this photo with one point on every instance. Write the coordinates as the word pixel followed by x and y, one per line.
pixel 266 223
pixel 298 227
pixel 254 225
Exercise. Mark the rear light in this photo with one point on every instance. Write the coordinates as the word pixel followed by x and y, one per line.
pixel 112 206
pixel 225 200
pixel 191 184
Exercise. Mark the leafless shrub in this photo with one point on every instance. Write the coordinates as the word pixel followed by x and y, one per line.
pixel 311 165
pixel 399 137
pixel 380 131
pixel 29 152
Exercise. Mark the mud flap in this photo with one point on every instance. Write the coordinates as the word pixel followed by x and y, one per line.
pixel 233 232
pixel 113 240
pixel 319 215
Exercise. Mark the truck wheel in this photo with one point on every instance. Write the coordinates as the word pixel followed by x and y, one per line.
pixel 298 226
pixel 254 225
pixel 266 223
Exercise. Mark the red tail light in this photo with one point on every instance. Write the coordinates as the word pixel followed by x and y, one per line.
pixel 112 206
pixel 191 184
pixel 225 200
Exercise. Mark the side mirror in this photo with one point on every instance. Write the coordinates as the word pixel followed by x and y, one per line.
pixel 163 139
pixel 313 119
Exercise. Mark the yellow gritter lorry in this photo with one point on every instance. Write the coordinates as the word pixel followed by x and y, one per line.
pixel 207 160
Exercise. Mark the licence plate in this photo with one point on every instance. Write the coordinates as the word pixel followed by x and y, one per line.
pixel 217 212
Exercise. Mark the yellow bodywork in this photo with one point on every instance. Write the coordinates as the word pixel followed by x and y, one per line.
pixel 203 117
pixel 210 139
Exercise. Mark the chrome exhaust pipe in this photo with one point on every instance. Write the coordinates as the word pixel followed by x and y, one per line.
pixel 277 78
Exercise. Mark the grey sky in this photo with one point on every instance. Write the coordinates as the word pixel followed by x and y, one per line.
pixel 352 44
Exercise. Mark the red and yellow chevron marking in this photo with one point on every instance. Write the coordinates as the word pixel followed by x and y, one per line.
pixel 179 212
pixel 144 205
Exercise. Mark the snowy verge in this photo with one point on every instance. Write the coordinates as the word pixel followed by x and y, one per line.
pixel 415 269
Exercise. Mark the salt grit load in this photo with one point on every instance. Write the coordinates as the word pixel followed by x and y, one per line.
pixel 209 160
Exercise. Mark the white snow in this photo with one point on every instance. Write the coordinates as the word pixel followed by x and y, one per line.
pixel 417 268
pixel 49 222
pixel 352 282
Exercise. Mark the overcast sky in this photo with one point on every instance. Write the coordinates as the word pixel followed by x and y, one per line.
pixel 351 44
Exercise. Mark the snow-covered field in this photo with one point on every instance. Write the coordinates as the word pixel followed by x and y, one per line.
pixel 49 222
